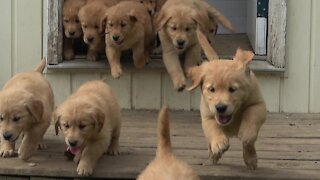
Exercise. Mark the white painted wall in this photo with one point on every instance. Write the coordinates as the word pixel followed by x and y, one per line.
pixel 21 49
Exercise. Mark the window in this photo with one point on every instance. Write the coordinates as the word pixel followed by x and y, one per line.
pixel 258 27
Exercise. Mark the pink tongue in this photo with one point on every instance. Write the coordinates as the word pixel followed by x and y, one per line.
pixel 223 119
pixel 74 150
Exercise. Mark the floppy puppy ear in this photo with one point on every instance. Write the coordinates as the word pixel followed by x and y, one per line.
pixel 35 108
pixel 196 74
pixel 56 119
pixel 244 56
pixel 160 19
pixel 98 117
pixel 201 19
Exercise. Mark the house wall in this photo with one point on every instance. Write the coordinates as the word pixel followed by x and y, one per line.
pixel 21 42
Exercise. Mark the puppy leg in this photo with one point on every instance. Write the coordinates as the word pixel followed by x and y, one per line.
pixel 192 57
pixel 218 141
pixel 6 148
pixel 139 57
pixel 68 52
pixel 113 148
pixel 251 122
pixel 173 66
pixel 90 156
pixel 113 56
pixel 92 53
pixel 30 142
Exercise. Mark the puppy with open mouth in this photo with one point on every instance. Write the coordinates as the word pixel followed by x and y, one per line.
pixel 128 26
pixel 26 105
pixel 90 121
pixel 231 102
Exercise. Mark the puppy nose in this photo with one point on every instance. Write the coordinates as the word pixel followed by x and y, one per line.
pixel 221 108
pixel 90 39
pixel 72 143
pixel 150 11
pixel 7 136
pixel 72 33
pixel 180 42
pixel 115 38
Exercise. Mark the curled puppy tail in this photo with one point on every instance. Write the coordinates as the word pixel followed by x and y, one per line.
pixel 205 45
pixel 40 66
pixel 164 142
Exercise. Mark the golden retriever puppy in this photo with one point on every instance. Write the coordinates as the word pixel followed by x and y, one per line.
pixel 152 6
pixel 166 166
pixel 71 25
pixel 26 105
pixel 128 26
pixel 90 17
pixel 90 121
pixel 177 22
pixel 231 103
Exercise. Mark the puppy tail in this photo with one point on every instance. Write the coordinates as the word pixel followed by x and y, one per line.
pixel 164 142
pixel 205 45
pixel 40 66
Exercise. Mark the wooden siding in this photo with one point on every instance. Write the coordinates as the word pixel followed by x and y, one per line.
pixel 21 49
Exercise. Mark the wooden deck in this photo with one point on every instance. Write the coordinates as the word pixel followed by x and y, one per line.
pixel 288 148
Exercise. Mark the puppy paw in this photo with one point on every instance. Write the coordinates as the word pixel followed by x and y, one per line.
pixel 113 151
pixel 217 148
pixel 84 170
pixel 68 54
pixel 91 56
pixel 42 145
pixel 179 85
pixel 6 152
pixel 116 72
pixel 251 162
pixel 25 153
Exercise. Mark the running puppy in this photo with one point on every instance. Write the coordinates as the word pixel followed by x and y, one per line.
pixel 26 105
pixel 90 121
pixel 90 17
pixel 177 22
pixel 71 25
pixel 166 166
pixel 128 26
pixel 231 102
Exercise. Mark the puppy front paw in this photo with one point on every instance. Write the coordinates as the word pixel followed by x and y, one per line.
pixel 113 150
pixel 68 54
pixel 7 152
pixel 251 161
pixel 25 153
pixel 217 148
pixel 179 85
pixel 116 72
pixel 92 56
pixel 42 145
pixel 84 169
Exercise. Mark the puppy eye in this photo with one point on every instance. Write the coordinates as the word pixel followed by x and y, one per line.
pixel 232 89
pixel 110 24
pixel 66 20
pixel 97 27
pixel 81 126
pixel 212 30
pixel 16 119
pixel 187 29
pixel 84 26
pixel 66 126
pixel 1 118
pixel 174 28
pixel 141 2
pixel 77 21
pixel 123 25
pixel 211 89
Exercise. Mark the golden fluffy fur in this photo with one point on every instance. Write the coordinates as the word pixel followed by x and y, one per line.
pixel 71 25
pixel 166 166
pixel 177 21
pixel 26 105
pixel 231 103
pixel 90 17
pixel 128 26
pixel 90 121
pixel 152 6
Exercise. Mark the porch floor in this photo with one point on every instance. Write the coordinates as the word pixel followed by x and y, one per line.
pixel 288 147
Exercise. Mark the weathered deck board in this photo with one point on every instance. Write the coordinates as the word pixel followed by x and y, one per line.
pixel 288 148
